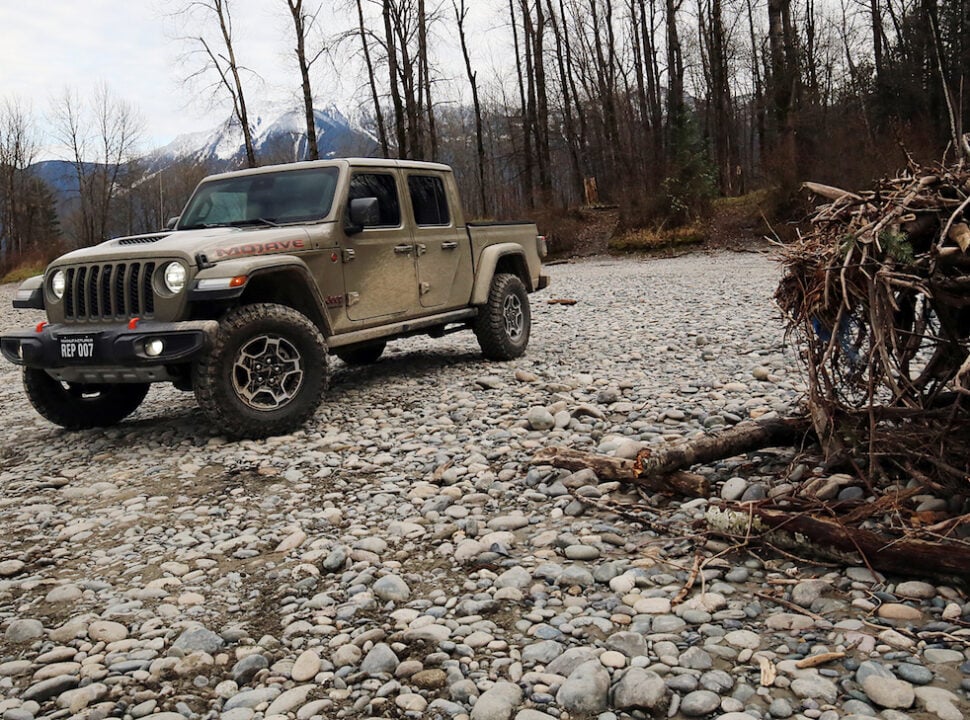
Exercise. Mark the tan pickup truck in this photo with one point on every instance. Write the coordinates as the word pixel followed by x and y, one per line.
pixel 265 273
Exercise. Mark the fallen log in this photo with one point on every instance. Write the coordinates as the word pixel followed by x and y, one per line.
pixel 665 468
pixel 828 192
pixel 607 467
pixel 833 540
pixel 736 440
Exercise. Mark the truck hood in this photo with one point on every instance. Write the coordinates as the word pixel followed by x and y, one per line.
pixel 221 243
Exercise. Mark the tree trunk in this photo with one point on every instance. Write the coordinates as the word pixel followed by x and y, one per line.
pixel 528 162
pixel 886 554
pixel 225 25
pixel 607 467
pixel 570 102
pixel 675 72
pixel 372 81
pixel 783 160
pixel 300 27
pixel 663 468
pixel 425 82
pixel 877 34
pixel 460 14
pixel 393 79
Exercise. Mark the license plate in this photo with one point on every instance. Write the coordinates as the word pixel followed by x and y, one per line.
pixel 77 348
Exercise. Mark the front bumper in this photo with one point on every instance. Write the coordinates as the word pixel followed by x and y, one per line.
pixel 113 353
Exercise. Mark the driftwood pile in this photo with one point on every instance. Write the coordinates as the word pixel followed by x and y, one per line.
pixel 877 296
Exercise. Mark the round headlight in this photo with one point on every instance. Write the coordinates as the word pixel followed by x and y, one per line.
pixel 175 277
pixel 58 284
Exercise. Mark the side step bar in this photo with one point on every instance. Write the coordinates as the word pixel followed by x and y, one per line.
pixel 401 329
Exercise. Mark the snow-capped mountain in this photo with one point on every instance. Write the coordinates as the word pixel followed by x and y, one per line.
pixel 279 135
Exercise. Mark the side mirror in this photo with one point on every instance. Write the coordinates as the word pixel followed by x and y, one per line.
pixel 172 222
pixel 363 212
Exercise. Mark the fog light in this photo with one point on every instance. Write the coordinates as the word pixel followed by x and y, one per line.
pixel 154 348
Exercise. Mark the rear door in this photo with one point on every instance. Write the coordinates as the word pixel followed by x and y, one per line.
pixel 378 262
pixel 442 250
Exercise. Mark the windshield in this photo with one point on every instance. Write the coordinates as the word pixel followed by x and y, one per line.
pixel 274 199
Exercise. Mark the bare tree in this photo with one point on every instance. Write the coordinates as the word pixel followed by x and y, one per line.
pixel 523 77
pixel 390 46
pixel 219 57
pixel 714 50
pixel 17 151
pixel 304 21
pixel 574 135
pixel 100 137
pixel 372 80
pixel 406 31
pixel 461 13
pixel 675 68
pixel 960 142
pixel 784 81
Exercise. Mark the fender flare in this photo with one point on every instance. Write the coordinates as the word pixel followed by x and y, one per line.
pixel 487 264
pixel 254 267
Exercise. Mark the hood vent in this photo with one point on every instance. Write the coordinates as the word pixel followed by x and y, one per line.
pixel 141 239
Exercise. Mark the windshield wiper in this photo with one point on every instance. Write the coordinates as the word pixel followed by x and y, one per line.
pixel 253 221
pixel 232 223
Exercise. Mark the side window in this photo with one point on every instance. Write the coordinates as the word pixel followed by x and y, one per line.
pixel 382 187
pixel 428 200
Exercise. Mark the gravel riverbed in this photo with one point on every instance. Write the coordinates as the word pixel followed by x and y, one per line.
pixel 401 557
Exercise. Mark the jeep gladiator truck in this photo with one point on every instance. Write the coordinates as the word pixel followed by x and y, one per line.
pixel 264 274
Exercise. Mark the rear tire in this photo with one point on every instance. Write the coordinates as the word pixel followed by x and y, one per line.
pixel 81 406
pixel 504 322
pixel 265 374
pixel 365 355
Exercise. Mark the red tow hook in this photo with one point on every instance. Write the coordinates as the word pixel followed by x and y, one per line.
pixel 133 323
pixel 40 326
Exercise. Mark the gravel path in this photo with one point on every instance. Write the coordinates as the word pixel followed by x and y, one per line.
pixel 401 558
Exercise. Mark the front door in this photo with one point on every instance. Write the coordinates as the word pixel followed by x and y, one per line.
pixel 379 263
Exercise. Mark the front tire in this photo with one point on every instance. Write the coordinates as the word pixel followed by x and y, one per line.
pixel 81 406
pixel 266 372
pixel 505 321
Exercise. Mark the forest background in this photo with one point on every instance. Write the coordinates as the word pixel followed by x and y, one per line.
pixel 661 111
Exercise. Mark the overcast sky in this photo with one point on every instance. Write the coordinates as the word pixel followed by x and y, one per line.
pixel 47 46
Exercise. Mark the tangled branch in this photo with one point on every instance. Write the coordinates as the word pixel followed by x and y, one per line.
pixel 877 295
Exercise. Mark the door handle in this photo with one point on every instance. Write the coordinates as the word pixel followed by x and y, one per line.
pixel 449 245
pixel 403 249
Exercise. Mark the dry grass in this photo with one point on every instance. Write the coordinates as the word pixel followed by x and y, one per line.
pixel 22 272
pixel 652 239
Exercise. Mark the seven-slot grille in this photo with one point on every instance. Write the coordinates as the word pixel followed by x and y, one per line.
pixel 109 291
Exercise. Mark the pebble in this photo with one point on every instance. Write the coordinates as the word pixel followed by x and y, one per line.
pixel 401 555
pixel 699 703
pixel 941 656
pixel 22 630
pixel 899 612
pixel 916 674
pixel 586 690
pixel 381 659
pixel 889 692
pixel 639 689
pixel 393 588
pixel 11 567
pixel 498 702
